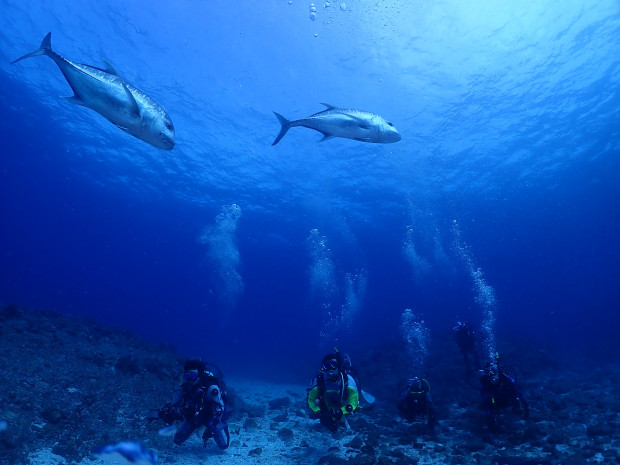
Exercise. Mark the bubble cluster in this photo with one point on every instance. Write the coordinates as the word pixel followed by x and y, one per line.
pixel 354 291
pixel 417 339
pixel 485 294
pixel 419 266
pixel 338 304
pixel 312 12
pixel 322 279
pixel 323 287
pixel 223 251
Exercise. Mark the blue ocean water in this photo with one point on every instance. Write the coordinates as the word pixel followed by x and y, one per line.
pixel 499 205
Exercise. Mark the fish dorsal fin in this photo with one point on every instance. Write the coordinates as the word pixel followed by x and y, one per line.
pixel 330 107
pixel 134 109
pixel 110 68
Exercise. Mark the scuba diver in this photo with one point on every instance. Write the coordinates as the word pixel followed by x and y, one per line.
pixel 415 400
pixel 334 393
pixel 198 400
pixel 500 391
pixel 466 341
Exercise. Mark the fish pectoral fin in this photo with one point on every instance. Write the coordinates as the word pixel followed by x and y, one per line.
pixel 326 136
pixel 122 128
pixel 76 100
pixel 134 109
pixel 361 122
pixel 363 139
pixel 110 68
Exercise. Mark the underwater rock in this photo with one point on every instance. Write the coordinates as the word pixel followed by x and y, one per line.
pixel 576 459
pixel 355 443
pixel 286 434
pixel 396 453
pixel 520 460
pixel 600 429
pixel 473 444
pixel 556 437
pixel 250 425
pixel 535 432
pixel 52 415
pixel 279 403
pixel 251 410
pixel 255 452
pixel 333 460
pixel 127 365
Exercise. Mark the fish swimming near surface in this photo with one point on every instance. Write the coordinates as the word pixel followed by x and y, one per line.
pixel 339 122
pixel 108 94
pixel 127 452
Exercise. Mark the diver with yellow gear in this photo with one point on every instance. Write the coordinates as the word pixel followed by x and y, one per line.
pixel 334 394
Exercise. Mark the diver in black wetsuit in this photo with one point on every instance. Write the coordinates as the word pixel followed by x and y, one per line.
pixel 415 401
pixel 500 391
pixel 466 341
pixel 198 402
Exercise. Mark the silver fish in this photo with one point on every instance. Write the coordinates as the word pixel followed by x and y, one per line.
pixel 108 94
pixel 350 124
pixel 127 452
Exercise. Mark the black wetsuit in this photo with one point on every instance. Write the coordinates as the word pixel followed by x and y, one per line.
pixel 498 393
pixel 415 401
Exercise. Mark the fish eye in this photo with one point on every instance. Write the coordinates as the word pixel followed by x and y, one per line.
pixel 390 124
pixel 169 126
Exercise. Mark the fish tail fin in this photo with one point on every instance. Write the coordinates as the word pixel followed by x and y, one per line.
pixel 286 125
pixel 44 49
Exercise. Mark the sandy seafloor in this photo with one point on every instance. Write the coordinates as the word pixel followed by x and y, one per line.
pixel 260 444
pixel 262 441
pixel 305 442
pixel 71 385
